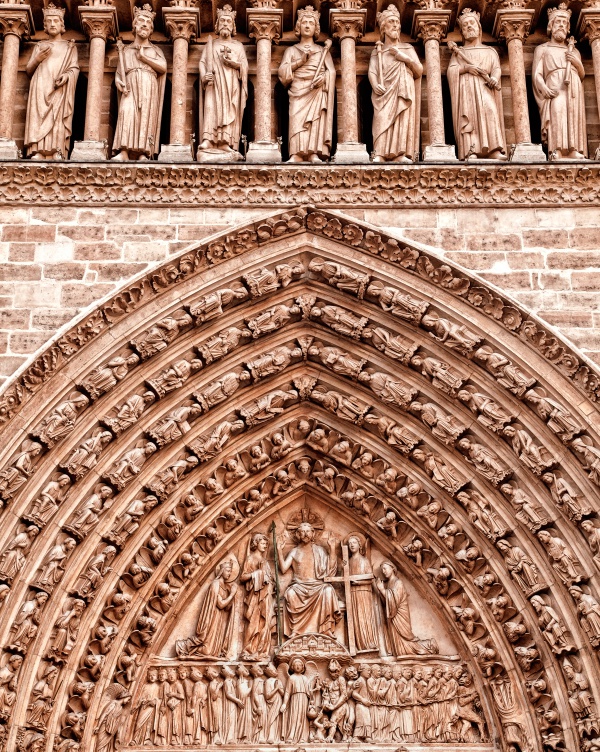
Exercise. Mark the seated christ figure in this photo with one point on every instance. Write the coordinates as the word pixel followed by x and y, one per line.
pixel 311 604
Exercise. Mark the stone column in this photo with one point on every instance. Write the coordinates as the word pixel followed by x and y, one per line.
pixel 431 26
pixel 99 23
pixel 16 23
pixel 265 26
pixel 589 28
pixel 513 25
pixel 182 24
pixel 347 25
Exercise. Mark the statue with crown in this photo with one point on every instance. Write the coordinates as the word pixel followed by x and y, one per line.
pixel 223 90
pixel 307 69
pixel 140 80
pixel 54 69
pixel 474 80
pixel 557 76
pixel 395 77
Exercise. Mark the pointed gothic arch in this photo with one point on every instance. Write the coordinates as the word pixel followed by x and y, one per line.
pixel 299 322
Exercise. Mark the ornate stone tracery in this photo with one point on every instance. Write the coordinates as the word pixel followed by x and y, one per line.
pixel 493 542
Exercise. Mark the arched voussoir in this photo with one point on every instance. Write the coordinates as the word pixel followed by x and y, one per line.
pixel 305 361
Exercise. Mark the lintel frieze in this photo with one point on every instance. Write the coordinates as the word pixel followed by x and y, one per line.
pixel 327 185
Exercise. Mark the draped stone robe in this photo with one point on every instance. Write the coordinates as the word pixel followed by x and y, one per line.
pixel 396 114
pixel 476 109
pixel 49 110
pixel 311 110
pixel 563 117
pixel 225 99
pixel 138 124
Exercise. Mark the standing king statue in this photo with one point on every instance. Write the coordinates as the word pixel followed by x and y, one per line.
pixel 224 86
pixel 474 79
pixel 395 76
pixel 557 76
pixel 308 70
pixel 140 78
pixel 54 70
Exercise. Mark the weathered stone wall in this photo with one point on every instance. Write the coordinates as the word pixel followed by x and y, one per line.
pixel 56 261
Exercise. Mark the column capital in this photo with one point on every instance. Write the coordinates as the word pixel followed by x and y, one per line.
pixel 17 20
pixel 430 23
pixel 513 23
pixel 588 26
pixel 181 22
pixel 99 21
pixel 347 22
pixel 265 23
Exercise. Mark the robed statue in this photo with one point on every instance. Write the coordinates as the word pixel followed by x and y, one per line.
pixel 54 69
pixel 307 69
pixel 140 78
pixel 310 602
pixel 224 89
pixel 557 76
pixel 474 79
pixel 395 77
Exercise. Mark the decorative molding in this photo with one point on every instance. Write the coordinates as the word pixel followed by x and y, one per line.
pixel 513 23
pixel 16 19
pixel 265 23
pixel 431 23
pixel 181 22
pixel 347 23
pixel 99 21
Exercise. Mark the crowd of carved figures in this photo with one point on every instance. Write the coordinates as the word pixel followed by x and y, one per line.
pixel 307 69
pixel 398 407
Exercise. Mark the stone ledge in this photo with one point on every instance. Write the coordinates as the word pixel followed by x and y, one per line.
pixel 327 186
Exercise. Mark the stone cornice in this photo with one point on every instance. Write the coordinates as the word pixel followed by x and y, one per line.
pixel 288 185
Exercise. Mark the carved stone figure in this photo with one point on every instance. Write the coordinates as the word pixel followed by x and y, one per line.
pixel 174 425
pixel 209 445
pixel 66 629
pixel 272 362
pixel 310 602
pixel 562 558
pixel 38 710
pixel 557 76
pixel 454 336
pixel 308 70
pixel 399 303
pixel 566 498
pixel 521 567
pixel 556 415
pixel 395 434
pixel 140 79
pixel 168 479
pixel 395 346
pixel 474 79
pixel 14 477
pixel 175 376
pixel 9 675
pixel 222 343
pixel 347 408
pixel 489 412
pixel 444 475
pixel 338 360
pixel 443 426
pixel 388 389
pixel 220 390
pixel 109 730
pixel 361 594
pixel 160 335
pixel 146 714
pixel 264 281
pixel 581 699
pixel 15 553
pixel 395 77
pixel 340 320
pixel 299 690
pixel 91 577
pixel 129 521
pixel 536 457
pixel 53 565
pixel 340 276
pixel 61 421
pixel 25 624
pixel 506 373
pixel 215 621
pixel 86 456
pixel 589 610
pixel 529 511
pixel 130 464
pixel 482 514
pixel 485 461
pixel 128 413
pixel 443 376
pixel 259 602
pixel 54 68
pixel 553 627
pixel 401 640
pixel 267 406
pixel 271 319
pixel 224 86
pixel 210 306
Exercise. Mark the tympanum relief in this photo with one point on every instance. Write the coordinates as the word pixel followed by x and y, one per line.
pixel 305 633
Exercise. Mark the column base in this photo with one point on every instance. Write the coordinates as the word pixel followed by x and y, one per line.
pixel 439 153
pixel 527 153
pixel 9 151
pixel 176 153
pixel 218 156
pixel 351 153
pixel 263 152
pixel 89 151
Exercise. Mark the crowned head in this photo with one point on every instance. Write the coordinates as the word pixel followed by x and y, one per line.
pixel 225 20
pixel 308 15
pixel 389 22
pixel 559 21
pixel 469 23
pixel 54 19
pixel 143 20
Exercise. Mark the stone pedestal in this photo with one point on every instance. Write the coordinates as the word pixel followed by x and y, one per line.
pixel 265 26
pixel 182 25
pixel 16 23
pixel 99 23
pixel 513 25
pixel 431 26
pixel 589 28
pixel 348 25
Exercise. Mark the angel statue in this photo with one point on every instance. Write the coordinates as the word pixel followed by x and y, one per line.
pixel 216 620
pixel 298 700
pixel 259 602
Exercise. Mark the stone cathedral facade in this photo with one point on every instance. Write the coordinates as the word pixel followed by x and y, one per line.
pixel 299 416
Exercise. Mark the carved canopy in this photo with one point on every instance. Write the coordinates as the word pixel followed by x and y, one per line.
pixel 479 441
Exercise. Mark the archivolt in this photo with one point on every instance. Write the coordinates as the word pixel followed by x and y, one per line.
pixel 408 358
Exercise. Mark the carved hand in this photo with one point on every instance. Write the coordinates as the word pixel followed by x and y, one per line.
pixel 379 89
pixel 402 57
pixel 43 51
pixel 318 82
pixel 61 81
pixel 549 93
pixel 208 79
pixel 283 708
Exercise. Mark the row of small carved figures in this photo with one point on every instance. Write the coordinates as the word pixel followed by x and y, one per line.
pixel 250 704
